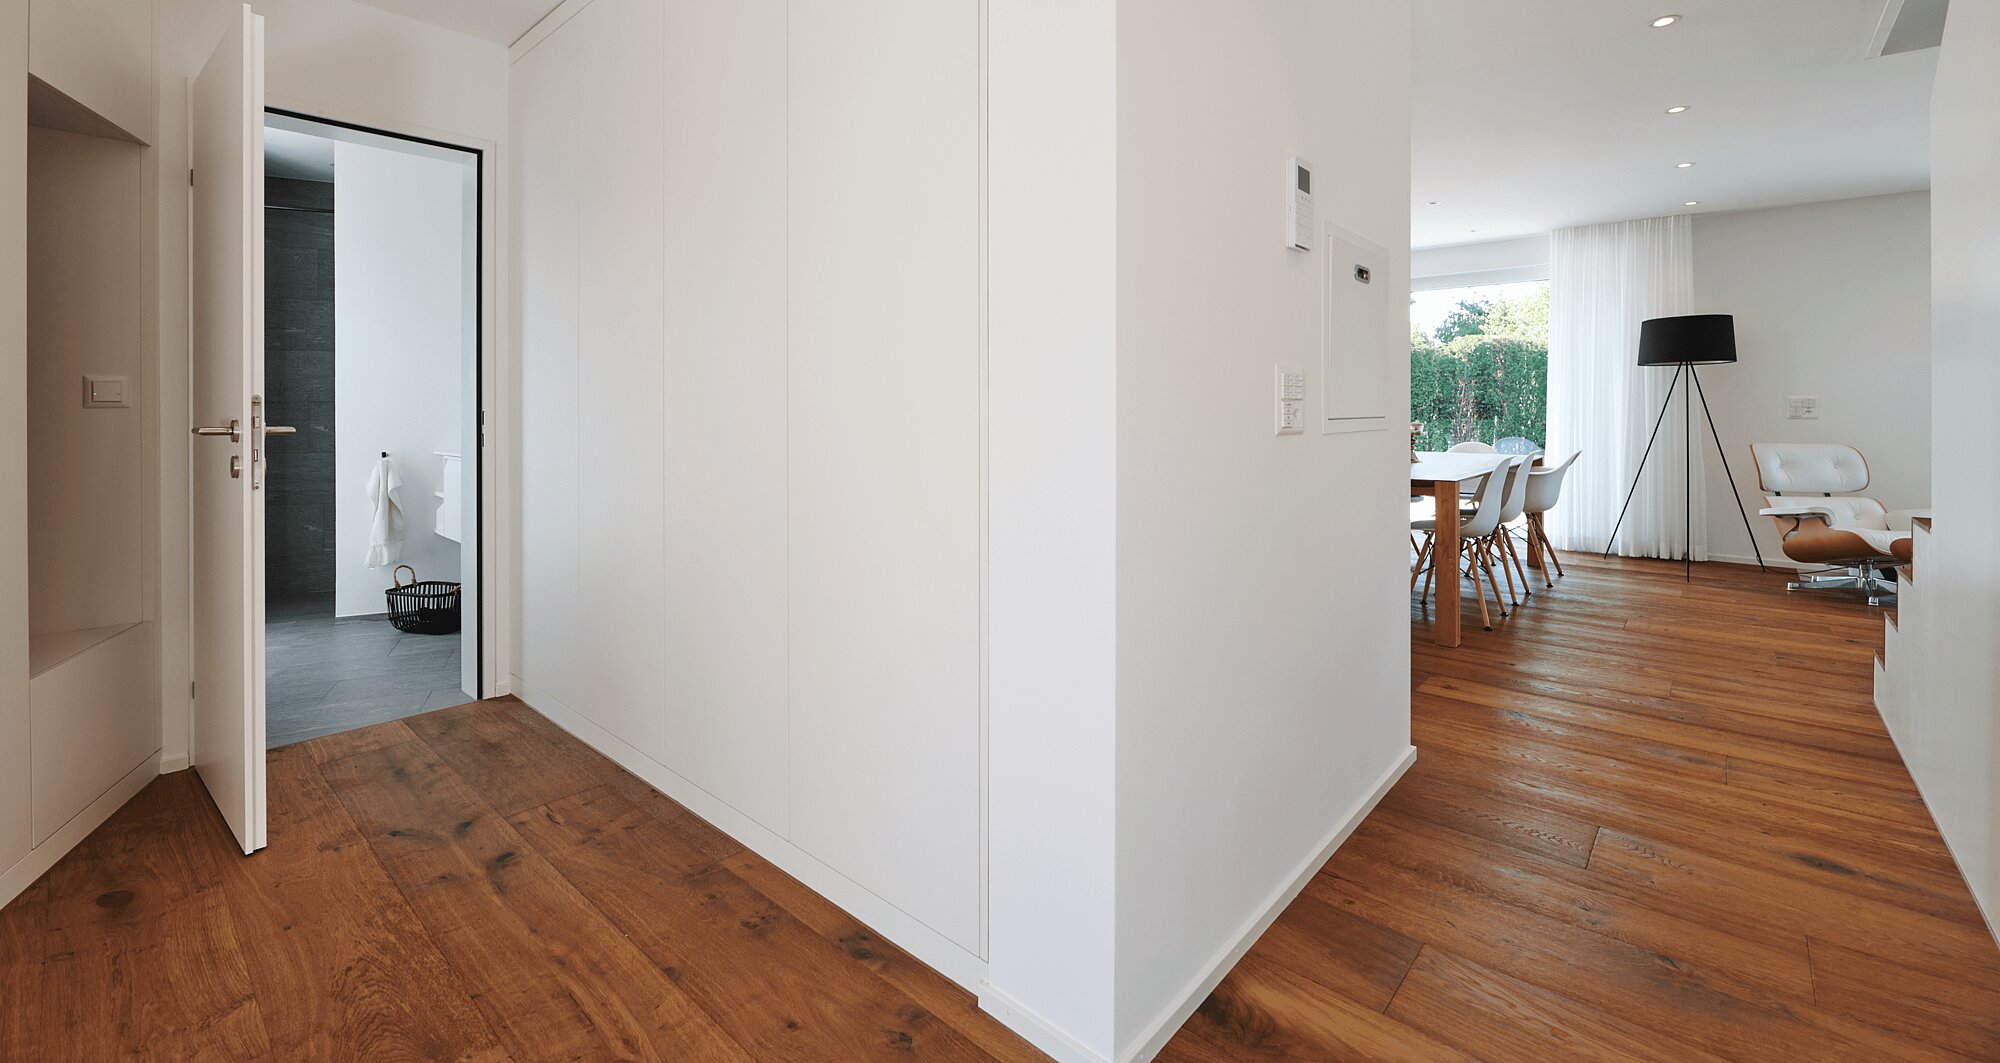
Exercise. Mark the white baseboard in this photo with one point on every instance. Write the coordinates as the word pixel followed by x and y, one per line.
pixel 170 764
pixel 948 957
pixel 56 846
pixel 1046 1036
pixel 1155 1035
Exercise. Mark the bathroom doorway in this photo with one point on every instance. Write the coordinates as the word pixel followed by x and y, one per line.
pixel 372 354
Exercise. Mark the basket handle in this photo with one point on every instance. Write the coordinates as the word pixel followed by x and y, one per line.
pixel 397 576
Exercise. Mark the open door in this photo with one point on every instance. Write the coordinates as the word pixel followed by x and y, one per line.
pixel 227 466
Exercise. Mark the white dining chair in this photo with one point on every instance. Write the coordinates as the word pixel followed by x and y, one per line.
pixel 1513 503
pixel 1544 490
pixel 1471 446
pixel 1475 541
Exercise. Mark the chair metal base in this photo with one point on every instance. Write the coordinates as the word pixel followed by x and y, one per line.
pixel 1866 577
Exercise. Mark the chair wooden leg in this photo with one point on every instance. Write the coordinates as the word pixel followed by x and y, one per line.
pixel 1486 565
pixel 1485 620
pixel 1493 547
pixel 1548 548
pixel 1520 567
pixel 1429 571
pixel 1423 551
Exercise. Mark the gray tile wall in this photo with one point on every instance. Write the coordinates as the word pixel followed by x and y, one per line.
pixel 298 385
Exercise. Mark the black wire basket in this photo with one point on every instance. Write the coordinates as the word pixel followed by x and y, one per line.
pixel 422 607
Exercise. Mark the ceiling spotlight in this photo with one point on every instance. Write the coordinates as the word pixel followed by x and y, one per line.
pixel 1664 21
pixel 1677 108
pixel 1682 165
pixel 1435 202
pixel 1692 203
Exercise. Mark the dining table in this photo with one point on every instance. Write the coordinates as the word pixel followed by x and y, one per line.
pixel 1442 475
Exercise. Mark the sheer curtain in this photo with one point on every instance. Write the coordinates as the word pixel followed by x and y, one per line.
pixel 1603 281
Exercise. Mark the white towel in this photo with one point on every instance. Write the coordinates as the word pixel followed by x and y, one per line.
pixel 385 533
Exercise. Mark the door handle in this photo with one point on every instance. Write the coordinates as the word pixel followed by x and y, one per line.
pixel 279 430
pixel 234 431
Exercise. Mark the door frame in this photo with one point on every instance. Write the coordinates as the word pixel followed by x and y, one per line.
pixel 491 457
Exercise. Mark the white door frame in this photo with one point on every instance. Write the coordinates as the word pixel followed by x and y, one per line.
pixel 495 458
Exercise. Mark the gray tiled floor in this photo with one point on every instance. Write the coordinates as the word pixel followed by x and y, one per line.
pixel 325 675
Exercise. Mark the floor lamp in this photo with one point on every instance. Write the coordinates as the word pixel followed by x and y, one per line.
pixel 1685 342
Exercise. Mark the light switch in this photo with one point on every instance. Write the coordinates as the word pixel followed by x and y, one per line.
pixel 1803 408
pixel 1289 419
pixel 101 392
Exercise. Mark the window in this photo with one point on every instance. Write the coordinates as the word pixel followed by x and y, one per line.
pixel 1479 364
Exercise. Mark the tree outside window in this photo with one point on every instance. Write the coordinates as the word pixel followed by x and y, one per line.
pixel 1479 364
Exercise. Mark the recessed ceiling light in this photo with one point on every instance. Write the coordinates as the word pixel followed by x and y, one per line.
pixel 1692 203
pixel 1664 21
pixel 1435 202
pixel 1682 165
pixel 1677 108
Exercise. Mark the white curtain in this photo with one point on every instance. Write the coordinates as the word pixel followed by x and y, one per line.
pixel 1603 281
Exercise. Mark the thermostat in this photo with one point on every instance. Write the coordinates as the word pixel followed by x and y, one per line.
pixel 1298 206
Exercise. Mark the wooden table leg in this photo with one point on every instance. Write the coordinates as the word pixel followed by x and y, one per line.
pixel 1444 556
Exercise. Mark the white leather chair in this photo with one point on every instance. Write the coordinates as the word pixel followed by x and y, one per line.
pixel 1823 522
pixel 1475 539
pixel 1544 491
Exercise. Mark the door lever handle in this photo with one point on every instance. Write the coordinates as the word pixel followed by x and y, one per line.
pixel 280 430
pixel 234 430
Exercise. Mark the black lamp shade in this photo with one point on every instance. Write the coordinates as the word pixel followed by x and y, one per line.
pixel 1690 339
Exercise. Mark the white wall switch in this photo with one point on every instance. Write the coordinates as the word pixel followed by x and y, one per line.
pixel 1803 408
pixel 106 392
pixel 1290 418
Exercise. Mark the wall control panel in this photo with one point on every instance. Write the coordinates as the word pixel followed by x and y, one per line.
pixel 1288 417
pixel 1803 408
pixel 1298 206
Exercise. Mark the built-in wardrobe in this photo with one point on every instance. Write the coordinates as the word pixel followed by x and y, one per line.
pixel 79 504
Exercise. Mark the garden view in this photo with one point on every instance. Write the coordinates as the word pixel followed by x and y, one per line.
pixel 1479 364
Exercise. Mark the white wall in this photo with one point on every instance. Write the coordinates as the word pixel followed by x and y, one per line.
pixel 750 531
pixel 99 53
pixel 81 736
pixel 1948 724
pixel 1052 398
pixel 1263 665
pixel 87 315
pixel 1833 300
pixel 418 79
pixel 401 338
pixel 15 837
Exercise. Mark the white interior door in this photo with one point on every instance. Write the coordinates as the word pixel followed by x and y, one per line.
pixel 226 291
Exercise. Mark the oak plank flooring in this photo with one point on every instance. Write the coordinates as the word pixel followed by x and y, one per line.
pixel 338 945
pixel 867 949
pixel 486 896
pixel 399 915
pixel 1649 820
pixel 1627 836
pixel 140 958
pixel 776 988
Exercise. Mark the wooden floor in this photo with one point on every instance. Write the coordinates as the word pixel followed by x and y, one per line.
pixel 470 884
pixel 1648 821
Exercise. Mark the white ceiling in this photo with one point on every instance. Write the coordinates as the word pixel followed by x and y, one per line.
pixel 1531 115
pixel 499 21
pixel 299 156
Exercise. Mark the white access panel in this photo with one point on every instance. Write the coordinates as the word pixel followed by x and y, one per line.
pixel 1360 306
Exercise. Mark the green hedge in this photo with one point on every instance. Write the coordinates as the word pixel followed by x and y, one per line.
pixel 1484 374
